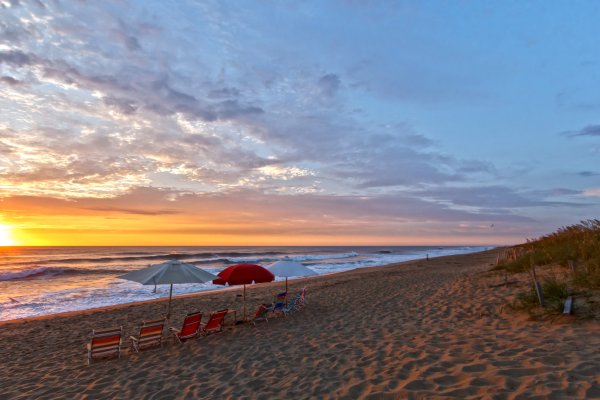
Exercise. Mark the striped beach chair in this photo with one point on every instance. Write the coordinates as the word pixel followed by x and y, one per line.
pixel 105 343
pixel 190 328
pixel 151 335
pixel 296 303
pixel 215 322
pixel 279 302
pixel 302 299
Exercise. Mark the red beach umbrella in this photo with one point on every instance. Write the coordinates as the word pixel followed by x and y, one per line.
pixel 244 274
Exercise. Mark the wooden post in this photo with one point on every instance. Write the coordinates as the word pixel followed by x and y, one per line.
pixel 540 293
pixel 538 287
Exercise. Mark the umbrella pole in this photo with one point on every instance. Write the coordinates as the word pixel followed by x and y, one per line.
pixel 244 302
pixel 170 297
pixel 286 291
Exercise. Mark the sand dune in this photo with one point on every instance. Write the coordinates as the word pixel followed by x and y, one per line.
pixel 422 329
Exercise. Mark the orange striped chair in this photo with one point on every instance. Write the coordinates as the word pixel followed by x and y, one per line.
pixel 190 329
pixel 105 343
pixel 151 335
pixel 215 322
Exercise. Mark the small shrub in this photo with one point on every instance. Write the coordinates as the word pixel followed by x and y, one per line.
pixel 555 293
pixel 526 300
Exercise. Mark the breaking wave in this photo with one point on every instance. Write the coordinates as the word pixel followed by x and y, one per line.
pixel 165 256
pixel 46 272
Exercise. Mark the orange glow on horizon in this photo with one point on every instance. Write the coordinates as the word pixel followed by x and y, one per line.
pixel 139 237
pixel 54 222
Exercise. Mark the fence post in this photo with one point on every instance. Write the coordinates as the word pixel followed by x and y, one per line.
pixel 538 287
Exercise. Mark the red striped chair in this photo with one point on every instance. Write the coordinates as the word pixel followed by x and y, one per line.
pixel 190 329
pixel 151 335
pixel 215 322
pixel 105 343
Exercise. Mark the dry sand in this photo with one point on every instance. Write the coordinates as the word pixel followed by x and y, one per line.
pixel 422 329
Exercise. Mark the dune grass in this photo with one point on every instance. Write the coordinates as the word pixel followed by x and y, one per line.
pixel 579 244
pixel 576 246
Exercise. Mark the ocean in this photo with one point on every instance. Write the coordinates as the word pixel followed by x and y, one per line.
pixel 38 281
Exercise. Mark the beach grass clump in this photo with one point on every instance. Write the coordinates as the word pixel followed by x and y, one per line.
pixel 555 293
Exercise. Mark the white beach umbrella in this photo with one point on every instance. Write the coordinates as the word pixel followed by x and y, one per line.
pixel 169 273
pixel 289 268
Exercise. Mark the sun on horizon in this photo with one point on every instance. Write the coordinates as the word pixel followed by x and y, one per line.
pixel 6 238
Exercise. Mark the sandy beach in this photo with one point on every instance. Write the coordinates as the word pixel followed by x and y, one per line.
pixel 421 329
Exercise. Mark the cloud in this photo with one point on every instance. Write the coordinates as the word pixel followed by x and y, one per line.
pixel 10 80
pixel 16 58
pixel 590 130
pixel 124 106
pixel 574 100
pixel 592 192
pixel 133 211
pixel 329 84
pixel 588 174
pixel 129 41
pixel 124 118
pixel 224 93
pixel 497 198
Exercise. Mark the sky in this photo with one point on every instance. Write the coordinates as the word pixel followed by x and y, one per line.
pixel 297 123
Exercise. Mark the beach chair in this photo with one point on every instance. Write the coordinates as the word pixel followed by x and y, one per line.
pixel 302 299
pixel 279 302
pixel 261 313
pixel 292 305
pixel 105 343
pixel 215 322
pixel 190 328
pixel 296 303
pixel 151 335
